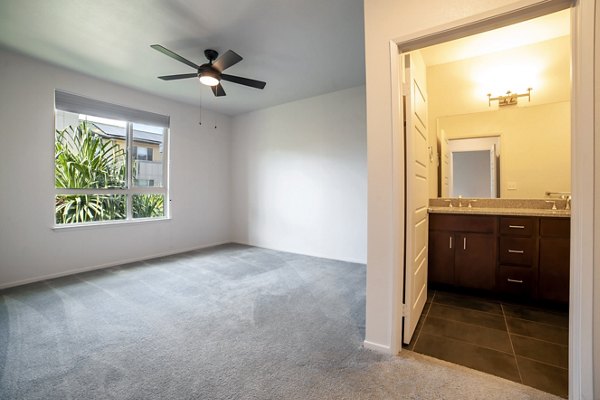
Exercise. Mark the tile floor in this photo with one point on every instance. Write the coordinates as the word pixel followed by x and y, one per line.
pixel 521 343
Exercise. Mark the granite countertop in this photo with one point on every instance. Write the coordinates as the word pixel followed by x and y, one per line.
pixel 529 212
pixel 515 207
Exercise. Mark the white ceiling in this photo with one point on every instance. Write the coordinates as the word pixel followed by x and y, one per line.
pixel 300 48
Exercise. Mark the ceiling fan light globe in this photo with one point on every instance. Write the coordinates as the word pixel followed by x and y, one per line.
pixel 209 78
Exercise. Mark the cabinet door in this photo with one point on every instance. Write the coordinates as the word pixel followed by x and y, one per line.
pixel 554 269
pixel 475 261
pixel 441 257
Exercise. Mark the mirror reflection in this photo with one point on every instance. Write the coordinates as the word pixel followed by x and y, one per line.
pixel 471 167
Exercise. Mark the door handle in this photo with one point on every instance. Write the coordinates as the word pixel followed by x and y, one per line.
pixel 465 243
pixel 517 226
pixel 516 251
pixel 515 280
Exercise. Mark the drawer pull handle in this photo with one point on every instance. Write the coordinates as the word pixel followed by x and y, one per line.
pixel 516 251
pixel 515 280
pixel 450 246
pixel 517 226
pixel 464 243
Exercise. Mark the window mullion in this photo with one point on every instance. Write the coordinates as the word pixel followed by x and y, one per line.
pixel 129 170
pixel 165 171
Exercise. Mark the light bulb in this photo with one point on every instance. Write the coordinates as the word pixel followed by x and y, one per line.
pixel 209 80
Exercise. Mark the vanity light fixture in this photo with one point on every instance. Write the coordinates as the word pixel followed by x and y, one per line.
pixel 510 99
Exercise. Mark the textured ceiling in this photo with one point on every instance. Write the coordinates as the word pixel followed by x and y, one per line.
pixel 300 48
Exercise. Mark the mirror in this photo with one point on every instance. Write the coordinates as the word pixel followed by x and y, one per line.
pixel 531 147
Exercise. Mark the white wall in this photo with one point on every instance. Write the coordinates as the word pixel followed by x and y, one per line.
pixel 29 248
pixel 300 176
pixel 596 300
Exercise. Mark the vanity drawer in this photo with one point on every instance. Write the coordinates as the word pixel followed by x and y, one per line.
pixel 516 250
pixel 514 280
pixel 462 223
pixel 518 226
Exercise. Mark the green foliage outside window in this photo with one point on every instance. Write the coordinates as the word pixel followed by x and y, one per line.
pixel 86 160
pixel 147 205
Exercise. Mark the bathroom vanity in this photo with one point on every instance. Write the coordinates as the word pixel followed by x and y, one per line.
pixel 513 251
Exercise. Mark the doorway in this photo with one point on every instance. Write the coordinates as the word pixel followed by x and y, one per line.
pixel 461 119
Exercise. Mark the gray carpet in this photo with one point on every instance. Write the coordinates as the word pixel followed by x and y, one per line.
pixel 230 322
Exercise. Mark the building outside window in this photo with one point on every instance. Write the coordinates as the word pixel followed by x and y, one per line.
pixel 110 162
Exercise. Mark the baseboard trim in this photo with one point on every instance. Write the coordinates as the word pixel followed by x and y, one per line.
pixel 106 265
pixel 262 246
pixel 380 348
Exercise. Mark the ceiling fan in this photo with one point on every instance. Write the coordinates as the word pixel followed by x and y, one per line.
pixel 210 73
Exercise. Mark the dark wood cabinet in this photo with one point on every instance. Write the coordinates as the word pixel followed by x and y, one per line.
pixel 441 257
pixel 554 266
pixel 517 250
pixel 515 281
pixel 462 250
pixel 519 256
pixel 475 261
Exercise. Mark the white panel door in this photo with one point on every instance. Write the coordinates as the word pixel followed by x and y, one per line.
pixel 417 192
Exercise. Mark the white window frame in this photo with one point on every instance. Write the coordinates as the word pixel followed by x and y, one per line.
pixel 69 103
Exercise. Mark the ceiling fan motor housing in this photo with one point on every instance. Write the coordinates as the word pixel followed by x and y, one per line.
pixel 211 55
pixel 208 71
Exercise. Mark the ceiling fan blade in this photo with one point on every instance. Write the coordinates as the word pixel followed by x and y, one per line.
pixel 179 76
pixel 227 60
pixel 218 90
pixel 244 81
pixel 175 56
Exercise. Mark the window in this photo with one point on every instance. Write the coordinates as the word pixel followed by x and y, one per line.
pixel 142 153
pixel 110 162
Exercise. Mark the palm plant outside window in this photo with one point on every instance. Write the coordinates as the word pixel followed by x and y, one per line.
pixel 107 169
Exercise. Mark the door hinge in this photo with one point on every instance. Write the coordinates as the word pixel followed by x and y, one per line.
pixel 404 310
pixel 405 89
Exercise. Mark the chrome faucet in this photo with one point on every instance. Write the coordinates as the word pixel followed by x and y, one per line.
pixel 449 203
pixel 553 204
pixel 568 203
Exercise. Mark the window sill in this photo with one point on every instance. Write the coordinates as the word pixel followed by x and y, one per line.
pixel 105 224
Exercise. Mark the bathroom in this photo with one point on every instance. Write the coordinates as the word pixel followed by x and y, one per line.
pixel 494 109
